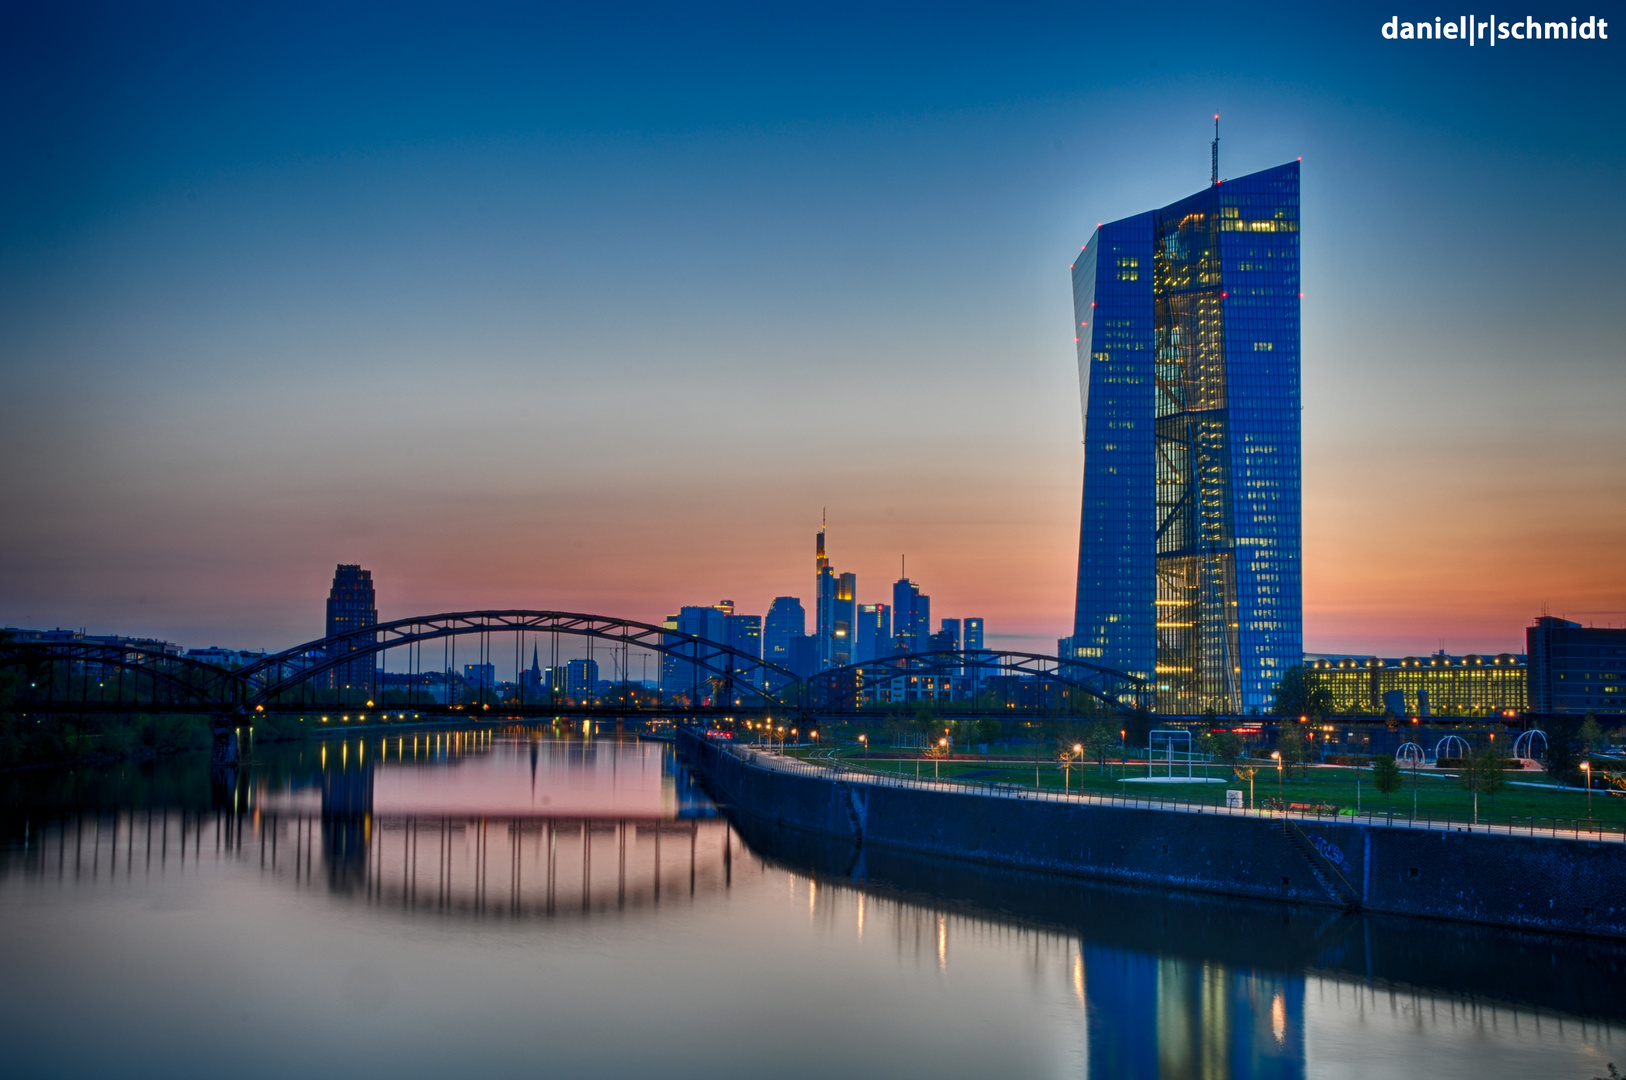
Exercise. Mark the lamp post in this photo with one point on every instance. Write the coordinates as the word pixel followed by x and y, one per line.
pixel 1078 755
pixel 1277 755
pixel 1586 767
pixel 863 740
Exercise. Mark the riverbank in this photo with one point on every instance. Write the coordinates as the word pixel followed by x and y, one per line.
pixel 1549 883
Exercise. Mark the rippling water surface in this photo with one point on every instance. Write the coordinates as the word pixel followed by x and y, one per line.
pixel 517 904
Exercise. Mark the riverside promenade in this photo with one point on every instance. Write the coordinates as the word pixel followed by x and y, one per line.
pixel 1569 881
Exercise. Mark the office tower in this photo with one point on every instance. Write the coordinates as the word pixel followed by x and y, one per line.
pixel 683 677
pixel 973 634
pixel 1576 669
pixel 873 637
pixel 744 632
pixel 1188 356
pixel 843 620
pixel 951 627
pixel 911 616
pixel 804 656
pixel 351 605
pixel 834 610
pixel 786 619
pixel 581 680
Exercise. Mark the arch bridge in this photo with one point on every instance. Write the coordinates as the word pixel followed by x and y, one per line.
pixel 409 666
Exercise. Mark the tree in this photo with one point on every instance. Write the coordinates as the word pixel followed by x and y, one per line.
pixel 1300 693
pixel 1482 773
pixel 1386 776
pixel 1563 747
pixel 1137 726
pixel 1290 743
pixel 1099 739
pixel 1246 773
pixel 1590 734
pixel 1222 744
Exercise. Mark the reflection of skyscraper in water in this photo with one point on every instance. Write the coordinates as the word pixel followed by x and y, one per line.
pixel 1165 1018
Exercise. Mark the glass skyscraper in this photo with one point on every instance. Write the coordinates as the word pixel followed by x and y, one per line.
pixel 1188 359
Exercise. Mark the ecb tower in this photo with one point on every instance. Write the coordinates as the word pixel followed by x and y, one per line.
pixel 1187 321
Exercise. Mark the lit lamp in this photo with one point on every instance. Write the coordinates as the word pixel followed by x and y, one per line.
pixel 1586 766
pixel 1277 755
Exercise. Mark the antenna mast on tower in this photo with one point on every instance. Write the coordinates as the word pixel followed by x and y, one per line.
pixel 1214 178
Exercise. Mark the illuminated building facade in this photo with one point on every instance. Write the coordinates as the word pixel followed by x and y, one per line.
pixel 836 611
pixel 1188 356
pixel 352 605
pixel 1437 685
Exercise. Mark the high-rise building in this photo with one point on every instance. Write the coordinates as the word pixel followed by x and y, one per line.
pixel 744 632
pixel 844 620
pixel 951 627
pixel 786 620
pixel 804 656
pixel 873 637
pixel 973 634
pixel 911 616
pixel 684 677
pixel 835 609
pixel 1188 358
pixel 351 605
pixel 1576 669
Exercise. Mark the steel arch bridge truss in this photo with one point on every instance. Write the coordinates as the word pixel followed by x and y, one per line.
pixel 69 677
pixel 89 677
pixel 714 674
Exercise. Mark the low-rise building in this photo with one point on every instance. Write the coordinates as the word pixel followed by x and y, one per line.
pixel 1438 685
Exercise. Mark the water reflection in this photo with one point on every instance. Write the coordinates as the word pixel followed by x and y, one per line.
pixel 600 858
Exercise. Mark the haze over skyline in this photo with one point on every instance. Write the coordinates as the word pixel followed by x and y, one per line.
pixel 596 311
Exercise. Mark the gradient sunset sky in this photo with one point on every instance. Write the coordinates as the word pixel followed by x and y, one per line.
pixel 595 307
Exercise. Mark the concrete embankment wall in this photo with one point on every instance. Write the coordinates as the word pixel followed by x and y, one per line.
pixel 1572 886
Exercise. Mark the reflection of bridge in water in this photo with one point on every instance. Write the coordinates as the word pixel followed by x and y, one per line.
pixel 501 866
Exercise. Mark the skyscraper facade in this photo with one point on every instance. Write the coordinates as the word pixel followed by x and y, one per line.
pixel 835 609
pixel 1188 356
pixel 911 616
pixel 873 638
pixel 351 605
pixel 786 619
pixel 973 634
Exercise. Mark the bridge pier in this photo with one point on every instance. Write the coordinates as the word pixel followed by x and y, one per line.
pixel 227 750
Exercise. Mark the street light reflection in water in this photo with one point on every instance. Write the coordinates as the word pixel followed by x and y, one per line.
pixel 514 903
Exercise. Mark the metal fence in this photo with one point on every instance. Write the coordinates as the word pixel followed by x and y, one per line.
pixel 848 772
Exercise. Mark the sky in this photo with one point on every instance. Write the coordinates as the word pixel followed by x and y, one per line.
pixel 598 310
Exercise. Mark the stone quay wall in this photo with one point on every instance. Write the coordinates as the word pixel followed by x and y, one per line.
pixel 1492 877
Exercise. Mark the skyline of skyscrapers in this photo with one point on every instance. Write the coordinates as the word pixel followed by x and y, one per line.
pixel 1188 352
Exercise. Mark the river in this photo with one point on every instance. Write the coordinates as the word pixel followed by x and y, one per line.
pixel 510 903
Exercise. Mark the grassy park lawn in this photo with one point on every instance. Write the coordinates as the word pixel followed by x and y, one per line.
pixel 1437 794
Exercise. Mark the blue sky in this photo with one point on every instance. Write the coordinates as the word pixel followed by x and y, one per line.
pixel 554 308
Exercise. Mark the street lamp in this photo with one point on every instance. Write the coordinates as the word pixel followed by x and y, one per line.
pixel 1277 755
pixel 863 740
pixel 1586 767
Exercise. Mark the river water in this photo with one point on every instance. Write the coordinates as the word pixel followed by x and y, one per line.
pixel 513 904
